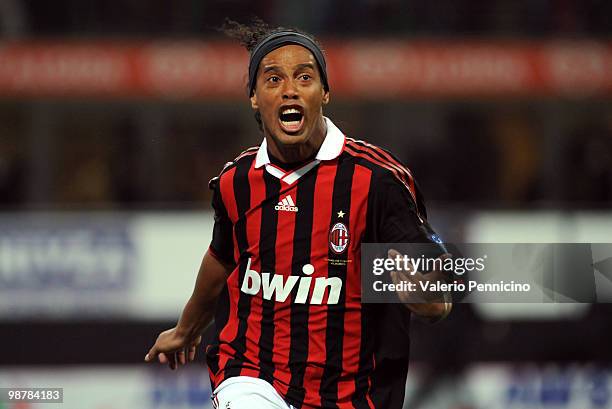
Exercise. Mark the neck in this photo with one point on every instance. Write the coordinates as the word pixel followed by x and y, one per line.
pixel 292 153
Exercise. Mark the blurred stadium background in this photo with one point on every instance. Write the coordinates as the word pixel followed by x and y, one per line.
pixel 114 116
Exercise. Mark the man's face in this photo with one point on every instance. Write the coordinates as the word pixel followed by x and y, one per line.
pixel 289 94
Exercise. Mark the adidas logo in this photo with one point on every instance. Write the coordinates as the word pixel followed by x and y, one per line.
pixel 287 205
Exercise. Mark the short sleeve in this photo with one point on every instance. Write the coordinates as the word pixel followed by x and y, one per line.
pixel 395 217
pixel 222 244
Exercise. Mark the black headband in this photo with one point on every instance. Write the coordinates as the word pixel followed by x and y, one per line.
pixel 276 40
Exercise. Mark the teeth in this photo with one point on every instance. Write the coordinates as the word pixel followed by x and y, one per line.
pixel 291 111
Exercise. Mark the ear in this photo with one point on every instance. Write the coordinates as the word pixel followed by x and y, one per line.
pixel 325 97
pixel 254 102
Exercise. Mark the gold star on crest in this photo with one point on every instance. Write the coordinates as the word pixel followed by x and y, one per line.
pixel 341 214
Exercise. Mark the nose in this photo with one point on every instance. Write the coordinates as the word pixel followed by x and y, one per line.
pixel 290 91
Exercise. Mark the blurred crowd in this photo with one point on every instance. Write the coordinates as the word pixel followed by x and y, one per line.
pixel 150 156
pixel 338 17
pixel 146 154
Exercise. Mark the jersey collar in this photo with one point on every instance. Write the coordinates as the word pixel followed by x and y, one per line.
pixel 330 149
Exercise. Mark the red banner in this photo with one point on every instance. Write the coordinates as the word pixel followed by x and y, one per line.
pixel 357 69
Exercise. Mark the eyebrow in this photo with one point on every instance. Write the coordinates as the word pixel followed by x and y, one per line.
pixel 270 68
pixel 301 66
pixel 305 65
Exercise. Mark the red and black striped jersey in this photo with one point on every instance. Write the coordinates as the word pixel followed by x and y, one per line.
pixel 291 311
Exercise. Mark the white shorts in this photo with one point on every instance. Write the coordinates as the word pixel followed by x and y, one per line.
pixel 246 392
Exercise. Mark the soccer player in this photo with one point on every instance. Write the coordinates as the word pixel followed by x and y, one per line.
pixel 282 273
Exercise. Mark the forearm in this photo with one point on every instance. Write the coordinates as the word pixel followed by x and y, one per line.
pixel 196 316
pixel 199 310
pixel 435 305
pixel 431 304
pixel 431 312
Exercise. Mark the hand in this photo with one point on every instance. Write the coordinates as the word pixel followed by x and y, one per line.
pixel 432 306
pixel 171 348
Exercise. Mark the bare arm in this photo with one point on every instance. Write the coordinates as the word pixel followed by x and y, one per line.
pixel 199 310
pixel 179 344
pixel 436 306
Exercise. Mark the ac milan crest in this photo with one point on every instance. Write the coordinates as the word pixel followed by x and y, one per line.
pixel 338 238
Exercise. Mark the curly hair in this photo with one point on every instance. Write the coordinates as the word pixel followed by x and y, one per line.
pixel 249 35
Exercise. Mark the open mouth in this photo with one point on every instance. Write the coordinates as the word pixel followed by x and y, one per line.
pixel 291 118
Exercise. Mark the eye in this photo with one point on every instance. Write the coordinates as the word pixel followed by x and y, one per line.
pixel 273 78
pixel 306 77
